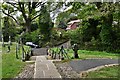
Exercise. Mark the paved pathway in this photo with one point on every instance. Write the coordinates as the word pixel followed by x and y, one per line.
pixel 43 51
pixel 39 51
pixel 45 68
pixel 83 65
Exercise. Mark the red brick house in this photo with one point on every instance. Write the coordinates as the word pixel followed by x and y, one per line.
pixel 73 24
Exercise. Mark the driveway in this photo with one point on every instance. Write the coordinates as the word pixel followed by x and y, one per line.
pixel 83 65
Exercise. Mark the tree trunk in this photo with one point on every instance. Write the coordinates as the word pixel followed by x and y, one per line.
pixel 118 24
pixel 28 26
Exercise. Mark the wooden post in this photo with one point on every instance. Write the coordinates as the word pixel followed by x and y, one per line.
pixel 10 40
pixel 23 56
pixel 3 41
pixel 54 55
pixel 17 46
pixel 75 49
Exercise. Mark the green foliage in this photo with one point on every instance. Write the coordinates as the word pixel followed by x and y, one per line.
pixel 7 7
pixel 85 54
pixel 34 26
pixel 61 20
pixel 31 37
pixel 72 18
pixel 76 6
pixel 9 29
pixel 62 25
pixel 58 37
pixel 88 11
pixel 11 66
pixel 106 72
pixel 96 31
pixel 45 31
pixel 106 33
pixel 75 36
pixel 29 12
pixel 45 26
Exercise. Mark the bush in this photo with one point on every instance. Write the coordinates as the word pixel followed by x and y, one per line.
pixel 31 37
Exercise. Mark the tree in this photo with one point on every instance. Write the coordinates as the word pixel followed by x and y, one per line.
pixel 8 28
pixel 45 24
pixel 62 25
pixel 27 10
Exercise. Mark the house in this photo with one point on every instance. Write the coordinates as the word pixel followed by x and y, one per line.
pixel 73 24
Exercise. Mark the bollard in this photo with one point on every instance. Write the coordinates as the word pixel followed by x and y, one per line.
pixel 75 49
pixel 54 55
pixel 8 48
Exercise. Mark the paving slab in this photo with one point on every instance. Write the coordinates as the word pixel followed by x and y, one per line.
pixel 39 74
pixel 41 67
pixel 40 58
pixel 45 68
pixel 39 51
pixel 52 74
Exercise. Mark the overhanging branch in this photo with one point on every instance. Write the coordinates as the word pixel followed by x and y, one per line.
pixel 13 4
pixel 10 16
pixel 35 17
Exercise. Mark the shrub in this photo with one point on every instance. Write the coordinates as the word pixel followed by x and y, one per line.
pixel 31 37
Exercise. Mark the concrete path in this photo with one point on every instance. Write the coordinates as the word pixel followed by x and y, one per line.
pixel 45 68
pixel 39 51
pixel 84 65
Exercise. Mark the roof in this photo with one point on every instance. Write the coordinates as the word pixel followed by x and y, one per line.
pixel 56 28
pixel 73 21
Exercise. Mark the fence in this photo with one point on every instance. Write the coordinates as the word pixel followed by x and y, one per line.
pixel 59 53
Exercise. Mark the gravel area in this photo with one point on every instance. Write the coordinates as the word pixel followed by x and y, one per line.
pixel 65 70
pixel 28 71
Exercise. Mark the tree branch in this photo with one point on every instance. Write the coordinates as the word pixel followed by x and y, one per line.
pixel 29 7
pixel 10 16
pixel 34 5
pixel 38 4
pixel 22 9
pixel 13 4
pixel 35 17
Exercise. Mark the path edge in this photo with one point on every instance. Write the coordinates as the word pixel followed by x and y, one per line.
pixel 83 73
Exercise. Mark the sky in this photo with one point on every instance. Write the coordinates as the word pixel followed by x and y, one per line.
pixel 53 15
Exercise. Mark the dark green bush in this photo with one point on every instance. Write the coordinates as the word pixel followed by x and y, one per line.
pixel 31 37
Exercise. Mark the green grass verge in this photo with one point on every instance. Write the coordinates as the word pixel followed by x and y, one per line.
pixel 0 65
pixel 0 60
pixel 107 72
pixel 84 54
pixel 11 66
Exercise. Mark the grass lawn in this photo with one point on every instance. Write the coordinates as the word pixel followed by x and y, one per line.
pixel 0 62
pixel 84 54
pixel 107 72
pixel 11 66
